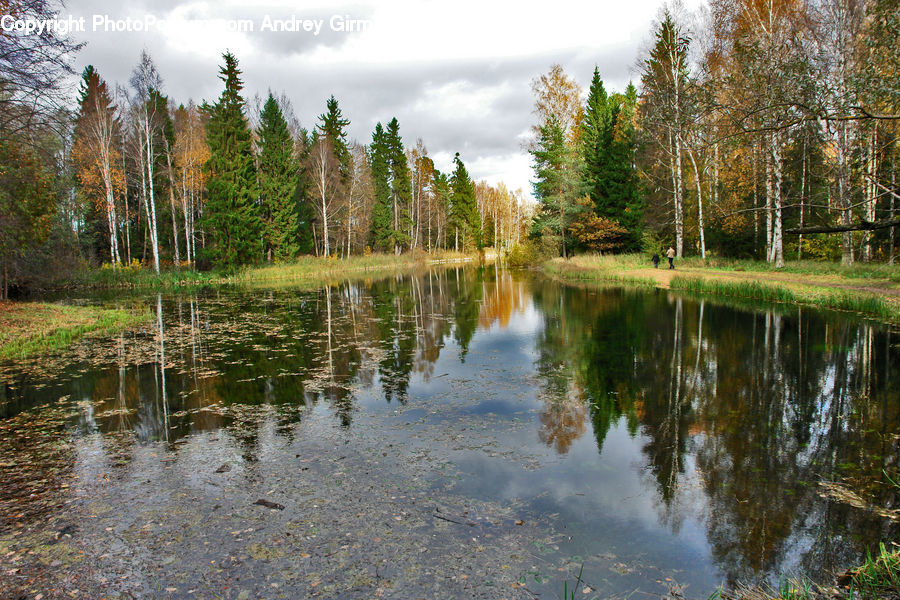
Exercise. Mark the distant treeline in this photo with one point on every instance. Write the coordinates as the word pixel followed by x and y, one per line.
pixel 129 175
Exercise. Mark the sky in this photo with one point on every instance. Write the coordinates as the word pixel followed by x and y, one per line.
pixel 455 73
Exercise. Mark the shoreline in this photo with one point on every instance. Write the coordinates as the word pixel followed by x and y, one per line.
pixel 28 329
pixel 306 269
pixel 877 298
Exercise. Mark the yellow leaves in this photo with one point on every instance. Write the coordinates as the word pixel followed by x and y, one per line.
pixel 558 95
pixel 89 171
pixel 597 233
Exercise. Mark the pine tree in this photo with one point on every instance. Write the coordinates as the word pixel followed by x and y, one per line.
pixel 302 201
pixel 663 81
pixel 232 215
pixel 607 145
pixel 401 186
pixel 442 203
pixel 381 237
pixel 278 182
pixel 557 182
pixel 464 218
pixel 333 125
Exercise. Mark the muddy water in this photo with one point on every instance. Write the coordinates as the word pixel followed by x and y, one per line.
pixel 460 433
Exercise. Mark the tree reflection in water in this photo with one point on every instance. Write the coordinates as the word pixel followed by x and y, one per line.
pixel 737 413
pixel 773 402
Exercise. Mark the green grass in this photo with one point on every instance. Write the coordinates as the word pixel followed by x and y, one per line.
pixel 879 576
pixel 822 285
pixel 570 594
pixel 859 270
pixel 582 270
pixel 856 302
pixel 29 329
pixel 753 290
pixel 871 271
pixel 141 277
pixel 304 269
pixel 314 269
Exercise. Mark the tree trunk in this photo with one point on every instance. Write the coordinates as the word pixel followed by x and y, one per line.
pixel 679 193
pixel 755 162
pixel 802 197
pixel 172 203
pixel 871 189
pixel 777 238
pixel 893 191
pixel 769 204
pixel 699 204
pixel 679 198
pixel 151 201
pixel 562 228
pixel 125 205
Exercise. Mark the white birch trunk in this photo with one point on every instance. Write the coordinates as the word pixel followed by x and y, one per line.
pixel 778 225
pixel 699 205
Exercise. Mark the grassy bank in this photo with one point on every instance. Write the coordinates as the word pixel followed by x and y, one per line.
pixel 579 269
pixel 30 328
pixel 870 290
pixel 311 269
pixel 877 578
pixel 306 269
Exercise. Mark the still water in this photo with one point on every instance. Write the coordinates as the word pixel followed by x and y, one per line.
pixel 665 443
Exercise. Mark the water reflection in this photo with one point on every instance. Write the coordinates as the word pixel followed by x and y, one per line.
pixel 763 405
pixel 729 418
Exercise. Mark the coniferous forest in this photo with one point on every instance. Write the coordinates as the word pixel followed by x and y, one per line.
pixel 762 129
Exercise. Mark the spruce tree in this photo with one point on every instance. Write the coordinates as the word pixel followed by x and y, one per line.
pixel 278 181
pixel 302 201
pixel 401 186
pixel 464 218
pixel 381 237
pixel 557 183
pixel 607 144
pixel 333 125
pixel 232 214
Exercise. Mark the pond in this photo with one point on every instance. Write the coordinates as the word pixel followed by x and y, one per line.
pixel 461 432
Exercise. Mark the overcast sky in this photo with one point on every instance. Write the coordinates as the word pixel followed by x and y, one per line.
pixel 455 73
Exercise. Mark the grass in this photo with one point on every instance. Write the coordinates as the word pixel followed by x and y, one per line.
pixel 570 594
pixel 870 271
pixel 879 577
pixel 30 328
pixel 136 276
pixel 857 302
pixel 305 269
pixel 319 270
pixel 593 269
pixel 739 289
pixel 866 289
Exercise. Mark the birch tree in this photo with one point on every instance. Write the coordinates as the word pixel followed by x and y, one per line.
pixel 664 79
pixel 326 179
pixel 145 79
pixel 95 153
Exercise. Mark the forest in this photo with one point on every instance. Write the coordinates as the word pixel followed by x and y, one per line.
pixel 761 129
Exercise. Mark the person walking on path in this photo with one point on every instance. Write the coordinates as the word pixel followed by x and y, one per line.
pixel 671 255
pixel 655 260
